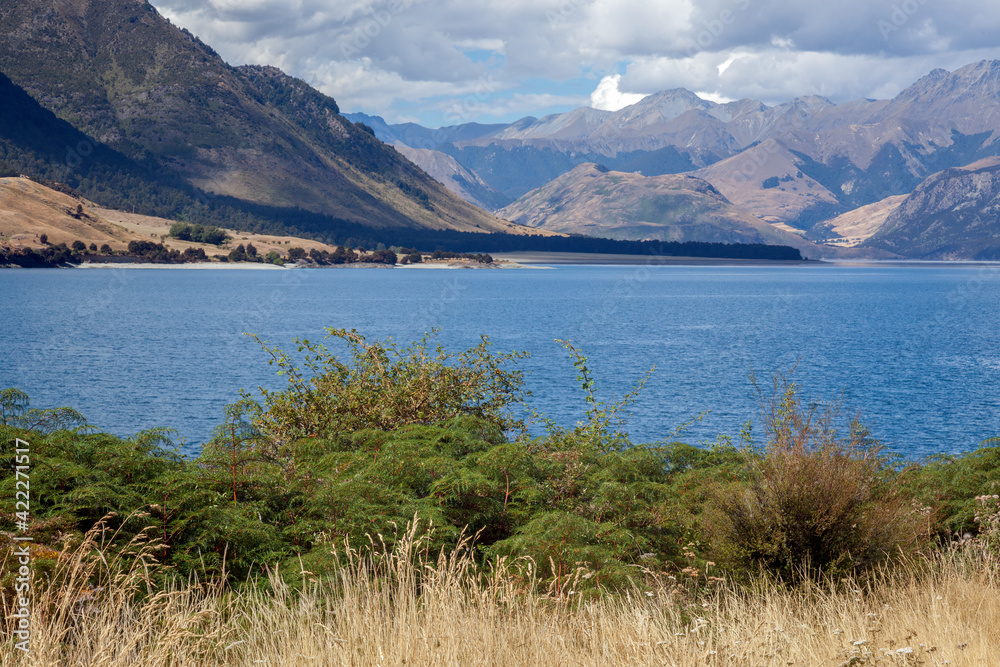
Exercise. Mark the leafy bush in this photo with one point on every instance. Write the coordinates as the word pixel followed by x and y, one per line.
pixel 383 257
pixel 153 252
pixel 949 484
pixel 813 502
pixel 385 387
pixel 198 233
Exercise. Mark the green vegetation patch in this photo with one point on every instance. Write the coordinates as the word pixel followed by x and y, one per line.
pixel 369 436
pixel 198 233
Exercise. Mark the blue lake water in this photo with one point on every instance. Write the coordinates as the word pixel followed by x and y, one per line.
pixel 914 349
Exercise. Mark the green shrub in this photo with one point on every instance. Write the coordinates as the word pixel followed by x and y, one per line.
pixel 948 484
pixel 198 233
pixel 385 387
pixel 814 502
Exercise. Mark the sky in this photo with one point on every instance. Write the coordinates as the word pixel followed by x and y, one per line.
pixel 446 62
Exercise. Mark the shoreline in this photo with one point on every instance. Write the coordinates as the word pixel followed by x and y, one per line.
pixel 530 257
pixel 505 264
pixel 532 260
pixel 188 265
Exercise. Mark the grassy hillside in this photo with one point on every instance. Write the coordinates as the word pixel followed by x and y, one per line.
pixel 29 210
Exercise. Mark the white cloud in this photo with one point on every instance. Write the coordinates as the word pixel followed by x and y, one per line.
pixel 721 69
pixel 713 97
pixel 608 97
pixel 774 76
pixel 394 57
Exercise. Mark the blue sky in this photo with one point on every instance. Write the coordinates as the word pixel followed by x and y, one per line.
pixel 454 61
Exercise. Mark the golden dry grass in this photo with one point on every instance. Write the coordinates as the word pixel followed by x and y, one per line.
pixel 404 607
pixel 29 209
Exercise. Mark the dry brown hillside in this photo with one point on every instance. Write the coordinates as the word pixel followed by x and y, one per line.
pixel 29 209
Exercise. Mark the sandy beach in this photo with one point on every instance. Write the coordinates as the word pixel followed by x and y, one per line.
pixel 192 265
pixel 499 264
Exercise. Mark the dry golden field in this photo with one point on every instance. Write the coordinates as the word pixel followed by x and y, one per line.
pixel 411 607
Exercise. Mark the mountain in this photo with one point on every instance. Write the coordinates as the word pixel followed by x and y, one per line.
pixel 446 170
pixel 418 136
pixel 853 228
pixel 129 81
pixel 33 139
pixel 596 201
pixel 799 166
pixel 954 214
pixel 514 166
pixel 768 182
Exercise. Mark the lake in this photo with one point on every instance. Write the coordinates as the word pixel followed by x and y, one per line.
pixel 914 348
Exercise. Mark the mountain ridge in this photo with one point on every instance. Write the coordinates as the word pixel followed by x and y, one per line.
pixel 794 165
pixel 668 207
pixel 122 74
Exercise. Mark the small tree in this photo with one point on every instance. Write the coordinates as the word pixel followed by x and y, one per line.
pixel 237 445
pixel 383 257
pixel 384 387
pixel 79 246
pixel 44 239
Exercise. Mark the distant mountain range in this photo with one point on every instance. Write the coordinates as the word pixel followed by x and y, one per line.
pixel 135 113
pixel 595 201
pixel 798 166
